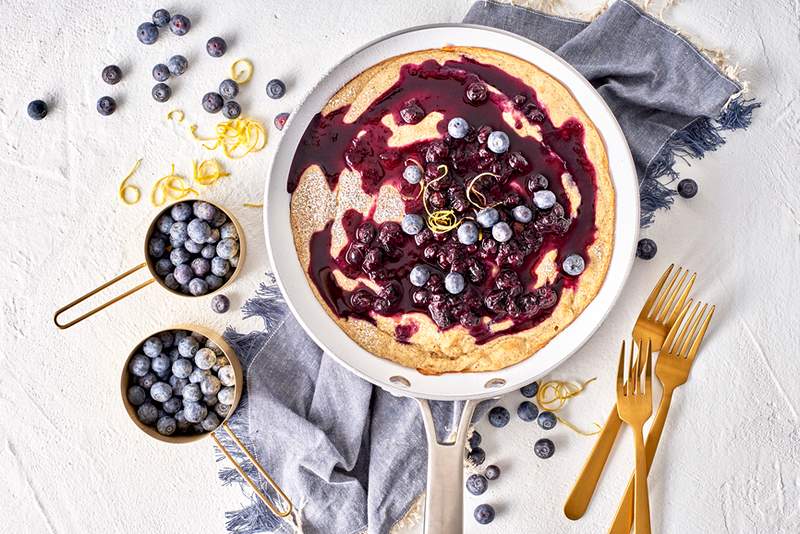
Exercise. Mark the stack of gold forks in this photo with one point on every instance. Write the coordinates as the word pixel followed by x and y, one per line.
pixel 663 327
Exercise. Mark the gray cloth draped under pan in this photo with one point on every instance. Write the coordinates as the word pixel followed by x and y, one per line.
pixel 352 456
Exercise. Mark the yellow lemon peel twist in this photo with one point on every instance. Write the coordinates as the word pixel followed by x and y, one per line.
pixel 562 391
pixel 237 137
pixel 125 187
pixel 241 76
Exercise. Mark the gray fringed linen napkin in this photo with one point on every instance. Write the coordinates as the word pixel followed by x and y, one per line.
pixel 353 457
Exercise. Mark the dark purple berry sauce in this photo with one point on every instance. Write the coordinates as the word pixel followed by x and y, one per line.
pixel 500 277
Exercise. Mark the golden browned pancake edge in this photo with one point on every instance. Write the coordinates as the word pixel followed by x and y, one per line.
pixel 429 350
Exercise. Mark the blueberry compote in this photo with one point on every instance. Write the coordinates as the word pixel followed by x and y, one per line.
pixel 500 277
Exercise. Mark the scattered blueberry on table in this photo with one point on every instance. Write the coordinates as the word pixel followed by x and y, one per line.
pixel 169 401
pixel 687 188
pixel 530 390
pixel 212 102
pixel 547 420
pixel 646 249
pixel 476 456
pixel 161 92
pixel 484 514
pixel 280 120
pixel 231 109
pixel 177 65
pixel 216 47
pixel 276 88
pixel 220 303
pixel 477 484
pixel 179 25
pixel 499 417
pixel 492 472
pixel 544 448
pixel 161 18
pixel 161 72
pixel 106 106
pixel 111 74
pixel 192 256
pixel 147 32
pixel 228 89
pixel 527 411
pixel 37 110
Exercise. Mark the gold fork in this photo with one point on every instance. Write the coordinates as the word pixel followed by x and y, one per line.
pixel 635 406
pixel 655 321
pixel 672 369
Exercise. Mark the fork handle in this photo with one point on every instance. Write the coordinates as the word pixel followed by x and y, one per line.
pixel 582 492
pixel 641 499
pixel 623 521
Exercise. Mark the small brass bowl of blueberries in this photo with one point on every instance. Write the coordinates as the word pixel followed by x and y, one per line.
pixel 192 249
pixel 182 383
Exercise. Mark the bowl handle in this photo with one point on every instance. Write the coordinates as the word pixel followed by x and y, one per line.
pixel 444 502
pixel 287 503
pixel 106 304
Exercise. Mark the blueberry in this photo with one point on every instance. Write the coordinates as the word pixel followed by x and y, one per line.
pixel 220 303
pixel 188 346
pixel 276 88
pixel 161 364
pixel 412 174
pixel 214 237
pixel 412 224
pixel 194 412
pixel 147 32
pixel 419 275
pixel 170 282
pixel 152 347
pixel 544 448
pixel 156 247
pixel 198 230
pixel 687 188
pixel 222 409
pixel 183 424
pixel 181 212
pixel 204 358
pixel 136 395
pixel 487 217
pixel 179 256
pixel 166 338
pixel 280 120
pixel 179 335
pixel 161 18
pixel 177 65
pixel 198 287
pixel 646 249
pixel 547 420
pixel 147 413
pixel 191 393
pixel 498 142
pixel 484 514
pixel 193 246
pixel 179 25
pixel 454 283
pixel 527 411
pixel 37 110
pixel 140 365
pixel 228 230
pixel 183 273
pixel 476 456
pixel 231 110
pixel 499 417
pixel 544 199
pixel 226 375
pixel 573 265
pixel 182 368
pixel 474 439
pixel 178 383
pixel 172 405
pixel 210 400
pixel 179 233
pixel 216 47
pixel 214 282
pixel 161 92
pixel 200 267
pixel 212 102
pixel 477 484
pixel 163 267
pixel 467 233
pixel 210 385
pixel 106 106
pixel 227 248
pixel 501 232
pixel 147 380
pixel 226 395
pixel 530 390
pixel 164 223
pixel 210 422
pixel 161 391
pixel 457 128
pixel 492 472
pixel 522 214
pixel 161 73
pixel 208 252
pixel 111 74
pixel 198 375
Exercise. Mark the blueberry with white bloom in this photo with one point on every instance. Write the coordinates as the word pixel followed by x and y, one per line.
pixel 210 422
pixel 179 25
pixel 161 392
pixel 544 199
pixel 220 304
pixel 498 142
pixel 137 395
pixel 228 230
pixel 501 232
pixel 140 365
pixel 454 283
pixel 228 89
pixel 419 275
pixel 198 286
pixel 188 346
pixel 214 282
pixel 152 347
pixel 226 395
pixel 412 224
pixel 179 256
pixel 178 233
pixel 147 33
pixel 200 266
pixel 210 385
pixel 412 174
pixel 183 273
pixel 172 405
pixel 194 412
pixel 226 375
pixel 227 248
pixel 191 393
pixel 220 266
pixel 161 73
pixel 181 212
pixel 198 230
pixel 161 364
pixel 161 18
pixel 222 409
pixel 204 210
pixel 177 65
pixel 198 375
pixel 208 251
pixel 477 484
pixel 487 217
pixel 147 413
pixel 193 246
pixel 166 425
pixel 164 224
pixel 522 214
pixel 204 358
pixel 457 128
pixel 573 264
pixel 467 233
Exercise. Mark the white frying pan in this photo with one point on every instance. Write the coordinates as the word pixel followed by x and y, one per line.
pixel 443 507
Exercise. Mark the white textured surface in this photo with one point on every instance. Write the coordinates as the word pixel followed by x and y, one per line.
pixel 71 461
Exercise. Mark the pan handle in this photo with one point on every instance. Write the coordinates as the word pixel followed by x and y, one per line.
pixel 287 503
pixel 444 502
pixel 106 304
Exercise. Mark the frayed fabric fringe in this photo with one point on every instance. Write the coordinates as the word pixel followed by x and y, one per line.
pixel 700 136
